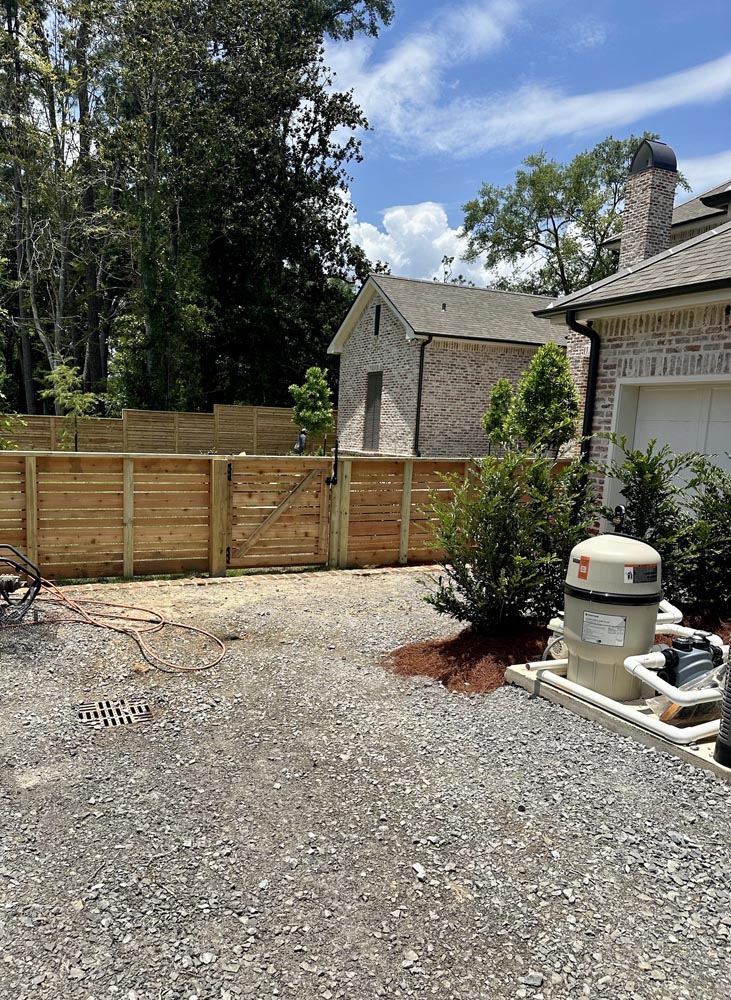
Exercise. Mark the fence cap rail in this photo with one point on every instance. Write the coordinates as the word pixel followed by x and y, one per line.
pixel 229 456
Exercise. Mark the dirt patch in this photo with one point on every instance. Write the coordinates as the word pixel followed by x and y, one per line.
pixel 469 661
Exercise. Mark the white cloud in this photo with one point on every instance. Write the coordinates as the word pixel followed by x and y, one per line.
pixel 587 33
pixel 414 73
pixel 409 95
pixel 413 239
pixel 704 172
pixel 542 112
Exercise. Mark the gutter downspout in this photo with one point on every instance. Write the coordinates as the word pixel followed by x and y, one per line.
pixel 590 402
pixel 419 390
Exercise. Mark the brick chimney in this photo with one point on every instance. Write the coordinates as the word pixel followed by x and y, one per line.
pixel 648 203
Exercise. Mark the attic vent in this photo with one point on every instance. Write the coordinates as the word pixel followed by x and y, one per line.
pixel 377 322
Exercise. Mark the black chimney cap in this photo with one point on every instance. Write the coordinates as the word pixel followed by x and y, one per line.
pixel 652 154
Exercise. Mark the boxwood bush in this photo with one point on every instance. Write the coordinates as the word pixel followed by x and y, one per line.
pixel 506 535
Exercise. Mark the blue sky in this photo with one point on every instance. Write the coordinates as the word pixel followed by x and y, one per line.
pixel 458 93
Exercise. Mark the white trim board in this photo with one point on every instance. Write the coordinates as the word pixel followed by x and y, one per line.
pixel 643 306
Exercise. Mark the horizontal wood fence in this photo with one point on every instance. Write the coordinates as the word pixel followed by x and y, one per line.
pixel 93 515
pixel 255 430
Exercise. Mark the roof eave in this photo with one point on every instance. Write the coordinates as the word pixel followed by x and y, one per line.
pixel 660 293
pixel 482 340
pixel 369 288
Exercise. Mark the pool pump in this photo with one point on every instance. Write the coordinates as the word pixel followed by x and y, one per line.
pixel 614 611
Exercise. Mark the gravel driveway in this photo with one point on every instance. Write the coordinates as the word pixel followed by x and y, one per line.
pixel 298 823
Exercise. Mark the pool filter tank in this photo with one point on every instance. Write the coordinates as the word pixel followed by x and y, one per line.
pixel 612 594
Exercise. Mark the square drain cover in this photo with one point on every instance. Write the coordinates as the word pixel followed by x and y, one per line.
pixel 108 713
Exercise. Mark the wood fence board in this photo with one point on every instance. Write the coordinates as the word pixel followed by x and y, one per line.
pixel 228 430
pixel 373 529
pixel 81 570
pixel 170 466
pixel 264 561
pixel 87 514
pixel 163 563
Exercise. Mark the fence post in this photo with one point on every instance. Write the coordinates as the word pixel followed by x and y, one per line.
pixel 128 517
pixel 31 509
pixel 403 548
pixel 334 541
pixel 255 429
pixel 346 466
pixel 323 538
pixel 219 517
pixel 340 516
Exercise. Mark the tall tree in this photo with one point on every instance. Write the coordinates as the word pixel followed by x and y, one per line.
pixel 551 224
pixel 173 219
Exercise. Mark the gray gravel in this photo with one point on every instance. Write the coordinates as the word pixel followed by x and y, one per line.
pixel 298 823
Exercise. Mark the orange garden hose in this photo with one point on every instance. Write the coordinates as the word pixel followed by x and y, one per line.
pixel 150 622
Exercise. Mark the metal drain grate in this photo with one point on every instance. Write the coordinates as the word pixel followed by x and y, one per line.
pixel 110 714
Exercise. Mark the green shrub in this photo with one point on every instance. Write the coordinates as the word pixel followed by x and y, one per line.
pixel 313 408
pixel 506 537
pixel 65 389
pixel 657 487
pixel 706 575
pixel 495 420
pixel 546 406
pixel 8 422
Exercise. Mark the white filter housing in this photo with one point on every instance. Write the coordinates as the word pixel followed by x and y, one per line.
pixel 612 596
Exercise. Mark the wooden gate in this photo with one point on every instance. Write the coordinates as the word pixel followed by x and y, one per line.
pixel 280 512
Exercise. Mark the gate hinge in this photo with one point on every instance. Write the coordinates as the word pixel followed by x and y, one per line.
pixel 229 471
pixel 228 554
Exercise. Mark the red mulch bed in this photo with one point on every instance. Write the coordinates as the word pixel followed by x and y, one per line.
pixel 470 662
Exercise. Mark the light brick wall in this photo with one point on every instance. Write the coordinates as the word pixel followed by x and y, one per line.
pixel 398 359
pixel 458 379
pixel 577 352
pixel 648 214
pixel 667 344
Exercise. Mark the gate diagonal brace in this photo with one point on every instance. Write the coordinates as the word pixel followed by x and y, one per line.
pixel 275 514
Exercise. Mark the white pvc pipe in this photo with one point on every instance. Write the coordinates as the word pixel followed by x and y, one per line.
pixel 715 640
pixel 648 722
pixel 669 614
pixel 644 668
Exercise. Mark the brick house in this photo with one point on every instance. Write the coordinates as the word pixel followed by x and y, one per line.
pixel 419 359
pixel 654 339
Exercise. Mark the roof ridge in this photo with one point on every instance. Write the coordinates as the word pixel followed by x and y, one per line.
pixel 472 288
pixel 672 251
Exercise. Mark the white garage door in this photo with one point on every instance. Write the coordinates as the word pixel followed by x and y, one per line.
pixel 687 417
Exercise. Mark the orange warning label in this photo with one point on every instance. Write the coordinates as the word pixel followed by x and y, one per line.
pixel 584 568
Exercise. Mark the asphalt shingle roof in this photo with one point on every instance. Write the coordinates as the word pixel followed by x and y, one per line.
pixel 691 266
pixel 483 313
pixel 692 210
